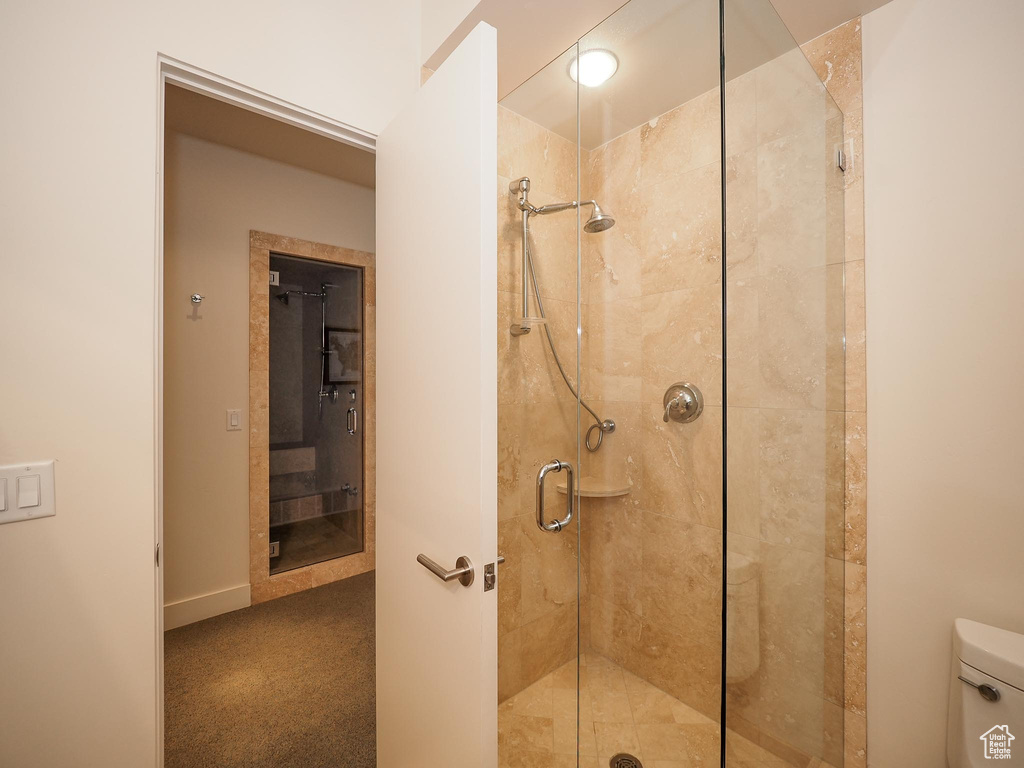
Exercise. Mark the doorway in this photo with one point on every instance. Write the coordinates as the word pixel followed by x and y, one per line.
pixel 434 633
pixel 264 662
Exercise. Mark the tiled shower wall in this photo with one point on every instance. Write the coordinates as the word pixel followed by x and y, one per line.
pixel 836 57
pixel 651 586
pixel 537 611
pixel 653 317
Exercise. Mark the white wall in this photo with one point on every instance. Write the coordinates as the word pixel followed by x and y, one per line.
pixel 945 321
pixel 78 165
pixel 440 18
pixel 214 196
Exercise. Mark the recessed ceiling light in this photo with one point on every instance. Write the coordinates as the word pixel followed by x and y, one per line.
pixel 591 68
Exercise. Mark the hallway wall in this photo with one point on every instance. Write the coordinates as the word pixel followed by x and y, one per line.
pixel 213 196
pixel 942 115
pixel 78 232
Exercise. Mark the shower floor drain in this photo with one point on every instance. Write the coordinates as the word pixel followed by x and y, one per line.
pixel 625 761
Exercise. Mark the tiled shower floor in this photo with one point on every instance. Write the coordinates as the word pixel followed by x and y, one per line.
pixel 619 712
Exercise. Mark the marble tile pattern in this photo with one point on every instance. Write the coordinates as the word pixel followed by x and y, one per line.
pixel 653 560
pixel 617 711
pixel 836 57
pixel 539 591
pixel 650 588
pixel 263 585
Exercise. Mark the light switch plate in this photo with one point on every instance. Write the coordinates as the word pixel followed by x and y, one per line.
pixel 234 420
pixel 46 503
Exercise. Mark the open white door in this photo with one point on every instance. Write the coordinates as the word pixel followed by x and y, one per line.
pixel 437 417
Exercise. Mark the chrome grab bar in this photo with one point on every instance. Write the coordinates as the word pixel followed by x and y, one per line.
pixel 463 570
pixel 554 466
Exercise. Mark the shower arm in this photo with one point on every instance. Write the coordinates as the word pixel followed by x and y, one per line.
pixel 557 207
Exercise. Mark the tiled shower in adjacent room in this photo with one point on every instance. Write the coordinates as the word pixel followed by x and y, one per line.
pixel 686 357
pixel 316 408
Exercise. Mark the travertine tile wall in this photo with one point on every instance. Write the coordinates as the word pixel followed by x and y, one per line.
pixel 651 581
pixel 836 57
pixel 537 614
pixel 785 502
pixel 653 559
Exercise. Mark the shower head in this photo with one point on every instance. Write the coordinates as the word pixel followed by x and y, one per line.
pixel 283 297
pixel 599 221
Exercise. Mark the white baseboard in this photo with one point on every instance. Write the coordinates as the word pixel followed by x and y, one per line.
pixel 204 606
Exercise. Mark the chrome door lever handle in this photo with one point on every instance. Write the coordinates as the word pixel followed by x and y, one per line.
pixel 555 525
pixel 463 570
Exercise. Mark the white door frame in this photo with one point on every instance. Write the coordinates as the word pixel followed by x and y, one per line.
pixel 175 72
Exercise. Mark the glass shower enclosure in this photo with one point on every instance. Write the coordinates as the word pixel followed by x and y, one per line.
pixel 671 387
pixel 316 397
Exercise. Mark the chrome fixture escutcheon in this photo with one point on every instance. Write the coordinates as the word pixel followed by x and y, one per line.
pixel 683 402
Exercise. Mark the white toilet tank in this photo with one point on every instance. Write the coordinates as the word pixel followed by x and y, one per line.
pixel 986 697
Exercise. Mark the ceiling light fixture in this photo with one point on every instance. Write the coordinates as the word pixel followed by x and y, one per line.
pixel 591 68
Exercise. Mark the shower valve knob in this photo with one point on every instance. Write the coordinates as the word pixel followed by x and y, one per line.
pixel 683 403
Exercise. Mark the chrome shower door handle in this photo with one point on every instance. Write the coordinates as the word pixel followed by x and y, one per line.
pixel 555 525
pixel 352 421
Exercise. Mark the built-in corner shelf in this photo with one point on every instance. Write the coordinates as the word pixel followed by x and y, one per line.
pixel 598 488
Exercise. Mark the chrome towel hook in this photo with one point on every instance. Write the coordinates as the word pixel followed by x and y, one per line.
pixel 197 299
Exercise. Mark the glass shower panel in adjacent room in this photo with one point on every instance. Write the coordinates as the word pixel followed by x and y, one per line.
pixel 785 396
pixel 316 409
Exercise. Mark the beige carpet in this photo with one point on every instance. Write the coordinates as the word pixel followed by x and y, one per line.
pixel 286 683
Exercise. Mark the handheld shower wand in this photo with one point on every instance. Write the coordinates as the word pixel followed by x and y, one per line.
pixel 599 221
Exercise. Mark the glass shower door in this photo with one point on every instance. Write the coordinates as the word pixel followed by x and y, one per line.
pixel 784 201
pixel 316 402
pixel 539 589
pixel 709 428
pixel 652 506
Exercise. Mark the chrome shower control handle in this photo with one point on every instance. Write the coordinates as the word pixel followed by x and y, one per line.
pixel 554 526
pixel 683 402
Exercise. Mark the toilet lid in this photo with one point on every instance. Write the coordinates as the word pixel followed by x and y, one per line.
pixel 996 652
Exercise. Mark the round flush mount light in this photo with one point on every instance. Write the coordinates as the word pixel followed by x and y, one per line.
pixel 591 68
